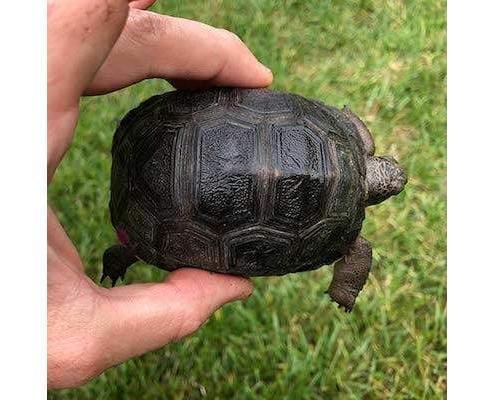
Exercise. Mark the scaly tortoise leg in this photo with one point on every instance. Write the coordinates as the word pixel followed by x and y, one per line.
pixel 350 274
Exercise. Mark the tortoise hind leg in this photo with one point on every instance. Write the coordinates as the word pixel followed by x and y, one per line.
pixel 350 274
pixel 116 260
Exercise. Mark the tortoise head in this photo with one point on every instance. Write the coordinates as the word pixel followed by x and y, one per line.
pixel 385 178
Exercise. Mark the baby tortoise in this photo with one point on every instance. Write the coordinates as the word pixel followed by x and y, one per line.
pixel 249 182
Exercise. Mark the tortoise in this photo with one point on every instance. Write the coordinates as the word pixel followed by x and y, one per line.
pixel 249 182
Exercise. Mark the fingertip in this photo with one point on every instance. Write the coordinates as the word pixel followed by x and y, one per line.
pixel 267 75
pixel 211 286
pixel 239 287
pixel 246 289
pixel 240 67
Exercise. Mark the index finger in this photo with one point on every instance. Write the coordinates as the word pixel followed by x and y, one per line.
pixel 158 46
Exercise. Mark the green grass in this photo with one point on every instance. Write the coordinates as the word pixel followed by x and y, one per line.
pixel 387 60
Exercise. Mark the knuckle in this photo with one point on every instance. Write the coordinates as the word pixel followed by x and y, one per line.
pixel 111 7
pixel 231 37
pixel 104 10
pixel 145 26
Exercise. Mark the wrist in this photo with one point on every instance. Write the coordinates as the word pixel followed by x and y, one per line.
pixel 70 368
pixel 75 350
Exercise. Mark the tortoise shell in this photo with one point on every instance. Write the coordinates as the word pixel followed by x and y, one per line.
pixel 242 181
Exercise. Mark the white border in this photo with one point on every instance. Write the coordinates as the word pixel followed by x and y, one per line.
pixel 23 200
pixel 471 165
pixel 471 205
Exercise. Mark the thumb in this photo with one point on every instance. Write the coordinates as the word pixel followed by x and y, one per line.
pixel 143 317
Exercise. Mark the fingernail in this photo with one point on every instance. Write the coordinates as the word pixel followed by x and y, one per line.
pixel 267 70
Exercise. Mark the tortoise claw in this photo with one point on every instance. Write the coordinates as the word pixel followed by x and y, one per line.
pixel 103 276
pixel 341 306
pixel 113 279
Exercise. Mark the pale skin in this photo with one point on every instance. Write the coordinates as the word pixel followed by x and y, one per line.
pixel 96 47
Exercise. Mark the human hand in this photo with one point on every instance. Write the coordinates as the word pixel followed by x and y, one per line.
pixel 96 47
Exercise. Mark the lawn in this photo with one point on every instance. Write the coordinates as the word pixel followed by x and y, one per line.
pixel 384 58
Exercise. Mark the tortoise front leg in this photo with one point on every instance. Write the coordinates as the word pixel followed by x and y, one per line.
pixel 350 274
